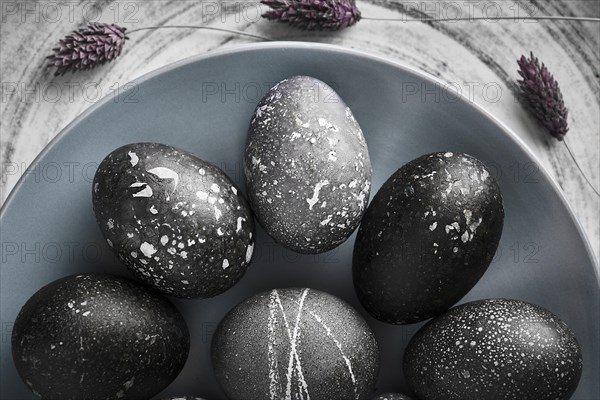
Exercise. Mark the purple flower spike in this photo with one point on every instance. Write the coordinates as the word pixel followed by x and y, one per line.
pixel 319 15
pixel 88 47
pixel 543 96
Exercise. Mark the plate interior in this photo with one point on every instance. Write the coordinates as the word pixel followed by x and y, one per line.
pixel 204 105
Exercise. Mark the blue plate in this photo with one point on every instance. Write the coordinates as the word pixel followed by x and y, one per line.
pixel 203 104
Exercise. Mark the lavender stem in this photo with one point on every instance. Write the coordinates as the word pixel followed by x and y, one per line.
pixel 541 18
pixel 580 169
pixel 209 28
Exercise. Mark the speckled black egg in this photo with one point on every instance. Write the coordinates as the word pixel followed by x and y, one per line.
pixel 307 166
pixel 179 223
pixel 427 237
pixel 295 344
pixel 391 396
pixel 494 349
pixel 98 336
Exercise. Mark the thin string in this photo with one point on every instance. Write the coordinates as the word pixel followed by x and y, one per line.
pixel 208 28
pixel 253 36
pixel 556 18
pixel 580 169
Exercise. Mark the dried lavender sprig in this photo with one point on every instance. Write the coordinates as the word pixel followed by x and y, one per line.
pixel 321 15
pixel 86 48
pixel 67 55
pixel 543 96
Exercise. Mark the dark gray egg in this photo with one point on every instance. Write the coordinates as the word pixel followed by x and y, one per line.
pixel 427 237
pixel 98 336
pixel 307 166
pixel 391 396
pixel 494 349
pixel 295 344
pixel 179 223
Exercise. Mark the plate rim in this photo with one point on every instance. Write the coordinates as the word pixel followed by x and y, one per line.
pixel 325 47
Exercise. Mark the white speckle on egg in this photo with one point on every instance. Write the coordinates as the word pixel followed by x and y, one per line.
pixel 202 195
pixel 315 197
pixel 146 192
pixel 249 251
pixel 239 224
pixel 452 226
pixel 133 158
pixel 166 173
pixel 484 175
pixel 147 249
pixel 468 214
pixel 225 264
pixel 465 236
pixel 327 220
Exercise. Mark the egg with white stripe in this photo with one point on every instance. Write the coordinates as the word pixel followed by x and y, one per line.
pixel 178 222
pixel 307 166
pixel 494 349
pixel 295 344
